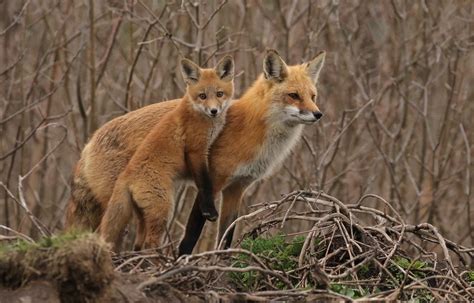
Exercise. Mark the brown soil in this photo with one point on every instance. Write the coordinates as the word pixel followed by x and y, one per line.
pixel 121 290
pixel 77 270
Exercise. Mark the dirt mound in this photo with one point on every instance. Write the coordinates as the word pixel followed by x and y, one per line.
pixel 36 291
pixel 73 268
pixel 78 265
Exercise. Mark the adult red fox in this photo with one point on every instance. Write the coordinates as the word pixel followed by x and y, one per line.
pixel 176 148
pixel 261 128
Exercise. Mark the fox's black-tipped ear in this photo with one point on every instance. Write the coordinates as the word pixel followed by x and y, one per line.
pixel 274 68
pixel 191 72
pixel 314 66
pixel 225 68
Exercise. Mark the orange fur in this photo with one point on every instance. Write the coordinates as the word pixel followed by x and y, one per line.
pixel 251 123
pixel 175 149
pixel 255 140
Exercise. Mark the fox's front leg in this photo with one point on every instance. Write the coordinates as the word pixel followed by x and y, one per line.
pixel 197 164
pixel 206 197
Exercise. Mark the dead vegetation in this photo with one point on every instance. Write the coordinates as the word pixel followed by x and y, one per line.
pixel 345 251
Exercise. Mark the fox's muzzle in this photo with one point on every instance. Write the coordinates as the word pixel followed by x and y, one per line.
pixel 309 117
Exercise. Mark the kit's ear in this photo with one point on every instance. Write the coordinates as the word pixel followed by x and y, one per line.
pixel 190 70
pixel 225 68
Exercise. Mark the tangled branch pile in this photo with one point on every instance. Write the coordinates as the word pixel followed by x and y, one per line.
pixel 346 252
pixel 335 251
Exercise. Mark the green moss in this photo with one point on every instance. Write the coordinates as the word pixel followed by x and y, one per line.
pixel 15 246
pixel 281 255
pixel 57 241
pixel 61 240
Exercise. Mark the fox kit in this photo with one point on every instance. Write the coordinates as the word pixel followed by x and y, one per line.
pixel 260 130
pixel 176 148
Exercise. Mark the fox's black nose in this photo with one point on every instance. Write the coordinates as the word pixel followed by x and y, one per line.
pixel 214 111
pixel 318 115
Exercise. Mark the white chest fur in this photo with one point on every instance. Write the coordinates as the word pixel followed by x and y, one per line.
pixel 278 143
pixel 215 130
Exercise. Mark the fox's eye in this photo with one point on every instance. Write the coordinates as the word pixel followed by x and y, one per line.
pixel 294 96
pixel 313 97
pixel 202 96
pixel 219 94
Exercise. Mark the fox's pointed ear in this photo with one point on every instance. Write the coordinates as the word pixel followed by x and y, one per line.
pixel 314 66
pixel 225 68
pixel 191 72
pixel 274 68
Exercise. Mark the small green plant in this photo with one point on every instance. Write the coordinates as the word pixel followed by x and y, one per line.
pixel 416 268
pixel 351 292
pixel 409 264
pixel 279 254
pixel 470 277
pixel 283 254
pixel 401 265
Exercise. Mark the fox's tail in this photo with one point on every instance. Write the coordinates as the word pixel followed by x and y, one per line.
pixel 84 212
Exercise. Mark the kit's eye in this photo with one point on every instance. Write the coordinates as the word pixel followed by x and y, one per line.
pixel 202 96
pixel 313 97
pixel 220 94
pixel 294 96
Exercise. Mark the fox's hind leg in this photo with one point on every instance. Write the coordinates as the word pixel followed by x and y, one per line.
pixel 231 199
pixel 153 206
pixel 117 215
pixel 141 231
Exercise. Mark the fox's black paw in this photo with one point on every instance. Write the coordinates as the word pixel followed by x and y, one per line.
pixel 210 214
